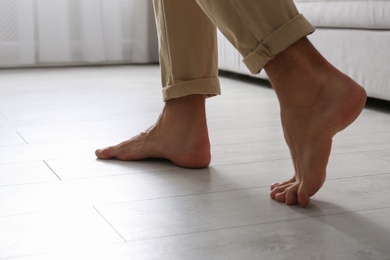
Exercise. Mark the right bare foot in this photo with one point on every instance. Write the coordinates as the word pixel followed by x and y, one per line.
pixel 179 135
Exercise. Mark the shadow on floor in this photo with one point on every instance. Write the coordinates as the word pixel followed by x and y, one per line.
pixel 378 105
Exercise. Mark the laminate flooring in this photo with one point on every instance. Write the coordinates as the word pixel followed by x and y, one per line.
pixel 57 201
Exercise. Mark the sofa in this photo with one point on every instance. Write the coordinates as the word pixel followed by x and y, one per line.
pixel 353 35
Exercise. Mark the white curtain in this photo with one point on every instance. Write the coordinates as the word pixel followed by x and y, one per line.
pixel 45 32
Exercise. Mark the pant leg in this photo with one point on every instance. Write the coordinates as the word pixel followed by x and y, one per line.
pixel 259 29
pixel 188 49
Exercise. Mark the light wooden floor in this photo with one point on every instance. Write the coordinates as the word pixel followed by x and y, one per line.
pixel 58 202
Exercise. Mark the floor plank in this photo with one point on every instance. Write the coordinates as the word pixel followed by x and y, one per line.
pixel 36 233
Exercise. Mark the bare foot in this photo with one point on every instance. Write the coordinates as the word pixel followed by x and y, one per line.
pixel 315 105
pixel 179 135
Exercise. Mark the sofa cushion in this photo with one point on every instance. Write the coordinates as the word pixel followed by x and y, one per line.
pixel 362 14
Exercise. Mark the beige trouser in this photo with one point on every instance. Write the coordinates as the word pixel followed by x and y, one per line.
pixel 258 29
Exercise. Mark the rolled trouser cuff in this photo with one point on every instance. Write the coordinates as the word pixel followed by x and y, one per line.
pixel 295 29
pixel 209 87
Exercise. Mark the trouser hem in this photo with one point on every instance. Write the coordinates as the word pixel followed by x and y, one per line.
pixel 295 29
pixel 209 87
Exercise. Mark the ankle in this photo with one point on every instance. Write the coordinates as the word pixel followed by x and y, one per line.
pixel 187 101
pixel 300 74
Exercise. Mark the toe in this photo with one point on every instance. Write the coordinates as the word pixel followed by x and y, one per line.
pixel 278 190
pixel 104 153
pixel 281 197
pixel 277 184
pixel 292 195
pixel 274 185
pixel 303 199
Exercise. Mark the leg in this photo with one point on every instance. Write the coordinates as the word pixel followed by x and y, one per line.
pixel 316 100
pixel 188 58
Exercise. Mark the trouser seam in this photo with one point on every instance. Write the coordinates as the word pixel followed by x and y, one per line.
pixel 167 47
pixel 245 22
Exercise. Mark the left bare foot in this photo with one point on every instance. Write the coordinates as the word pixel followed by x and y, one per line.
pixel 308 133
pixel 316 103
